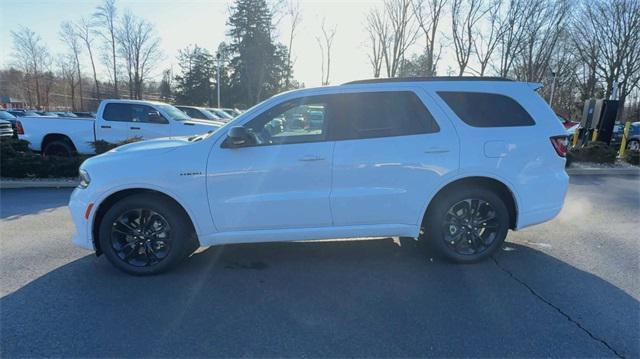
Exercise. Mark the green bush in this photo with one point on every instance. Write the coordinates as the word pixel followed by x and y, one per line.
pixel 101 146
pixel 16 161
pixel 632 157
pixel 598 152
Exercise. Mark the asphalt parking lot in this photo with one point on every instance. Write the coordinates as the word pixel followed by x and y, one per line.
pixel 567 288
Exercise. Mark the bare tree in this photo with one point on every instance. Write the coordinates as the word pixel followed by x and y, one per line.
pixel 139 47
pixel 84 31
pixel 107 17
pixel 487 40
pixel 67 72
pixel 546 21
pixel 69 36
pixel 511 19
pixel 615 26
pixel 32 57
pixel 325 42
pixel 465 15
pixel 293 12
pixel 428 14
pixel 403 33
pixel 377 28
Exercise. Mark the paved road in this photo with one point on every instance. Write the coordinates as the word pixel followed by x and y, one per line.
pixel 565 288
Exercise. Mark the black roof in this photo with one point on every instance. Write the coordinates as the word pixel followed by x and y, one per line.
pixel 419 79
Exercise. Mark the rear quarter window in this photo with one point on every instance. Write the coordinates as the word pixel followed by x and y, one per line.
pixel 480 109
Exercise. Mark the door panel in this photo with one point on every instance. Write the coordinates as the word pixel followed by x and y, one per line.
pixel 270 187
pixel 150 130
pixel 387 180
pixel 113 131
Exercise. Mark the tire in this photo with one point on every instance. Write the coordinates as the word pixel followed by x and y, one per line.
pixel 633 145
pixel 60 148
pixel 154 245
pixel 463 237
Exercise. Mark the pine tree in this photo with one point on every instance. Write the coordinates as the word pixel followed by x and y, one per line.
pixel 258 66
pixel 193 86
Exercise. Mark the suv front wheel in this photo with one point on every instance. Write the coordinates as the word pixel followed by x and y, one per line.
pixel 467 225
pixel 146 234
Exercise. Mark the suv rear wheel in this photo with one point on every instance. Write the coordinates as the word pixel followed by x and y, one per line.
pixel 146 234
pixel 467 225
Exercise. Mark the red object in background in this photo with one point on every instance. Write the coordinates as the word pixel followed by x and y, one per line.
pixel 566 123
pixel 19 128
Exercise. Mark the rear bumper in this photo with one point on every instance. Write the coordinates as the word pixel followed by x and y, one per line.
pixel 545 198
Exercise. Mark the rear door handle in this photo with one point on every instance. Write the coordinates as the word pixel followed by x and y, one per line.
pixel 134 128
pixel 105 126
pixel 436 150
pixel 311 158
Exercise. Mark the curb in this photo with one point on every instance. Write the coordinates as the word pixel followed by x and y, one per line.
pixel 627 171
pixel 12 184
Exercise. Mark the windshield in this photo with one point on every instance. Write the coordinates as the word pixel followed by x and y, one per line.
pixel 174 112
pixel 4 115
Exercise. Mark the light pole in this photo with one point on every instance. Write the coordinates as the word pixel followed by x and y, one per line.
pixel 218 80
pixel 553 89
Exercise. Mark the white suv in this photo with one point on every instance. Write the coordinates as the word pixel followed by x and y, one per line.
pixel 453 162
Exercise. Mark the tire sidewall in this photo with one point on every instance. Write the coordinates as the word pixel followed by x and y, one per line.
pixel 62 144
pixel 181 234
pixel 434 229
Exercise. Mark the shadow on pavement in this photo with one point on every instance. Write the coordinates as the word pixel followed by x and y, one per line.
pixel 32 201
pixel 379 298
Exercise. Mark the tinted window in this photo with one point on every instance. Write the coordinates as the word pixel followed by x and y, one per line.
pixel 480 109
pixel 125 112
pixel 295 121
pixel 380 114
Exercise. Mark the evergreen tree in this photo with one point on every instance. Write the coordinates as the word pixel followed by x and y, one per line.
pixel 258 65
pixel 194 84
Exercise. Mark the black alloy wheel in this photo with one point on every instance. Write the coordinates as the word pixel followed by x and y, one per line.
pixel 466 225
pixel 146 234
pixel 141 237
pixel 470 226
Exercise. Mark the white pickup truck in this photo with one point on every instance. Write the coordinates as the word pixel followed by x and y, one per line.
pixel 116 120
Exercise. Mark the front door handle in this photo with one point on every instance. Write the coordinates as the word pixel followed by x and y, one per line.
pixel 134 128
pixel 105 126
pixel 436 150
pixel 311 158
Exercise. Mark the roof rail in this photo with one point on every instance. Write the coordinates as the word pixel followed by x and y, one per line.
pixel 434 78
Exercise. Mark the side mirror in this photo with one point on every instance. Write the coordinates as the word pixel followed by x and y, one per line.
pixel 155 117
pixel 238 136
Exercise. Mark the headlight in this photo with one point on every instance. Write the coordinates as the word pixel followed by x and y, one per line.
pixel 84 179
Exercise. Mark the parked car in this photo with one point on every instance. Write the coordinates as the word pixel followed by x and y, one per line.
pixel 568 124
pixel 201 114
pixel 7 116
pixel 22 113
pixel 453 162
pixel 233 112
pixel 65 114
pixel 85 114
pixel 220 113
pixel 117 120
pixel 633 139
pixel 6 130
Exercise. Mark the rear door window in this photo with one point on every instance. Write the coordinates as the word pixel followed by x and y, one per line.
pixel 479 109
pixel 380 114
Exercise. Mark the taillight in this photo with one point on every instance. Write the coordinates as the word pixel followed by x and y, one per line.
pixel 19 129
pixel 560 144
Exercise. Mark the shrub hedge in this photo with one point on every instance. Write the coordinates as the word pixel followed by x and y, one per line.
pixel 598 152
pixel 17 161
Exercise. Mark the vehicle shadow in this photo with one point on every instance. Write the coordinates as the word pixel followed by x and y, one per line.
pixel 32 201
pixel 366 298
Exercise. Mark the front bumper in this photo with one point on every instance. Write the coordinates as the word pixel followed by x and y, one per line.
pixel 78 204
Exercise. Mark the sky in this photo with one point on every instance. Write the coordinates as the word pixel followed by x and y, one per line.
pixel 180 23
